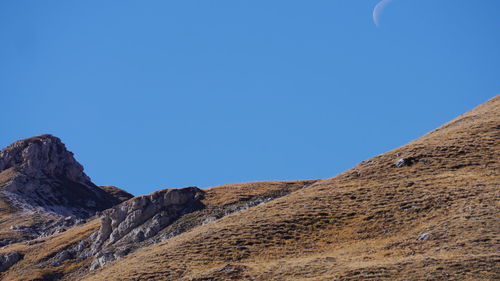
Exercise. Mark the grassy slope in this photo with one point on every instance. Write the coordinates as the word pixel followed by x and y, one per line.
pixel 37 264
pixel 120 194
pixel 362 224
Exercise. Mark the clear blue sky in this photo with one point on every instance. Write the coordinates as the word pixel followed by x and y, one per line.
pixel 160 94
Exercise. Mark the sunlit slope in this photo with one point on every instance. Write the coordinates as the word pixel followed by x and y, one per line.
pixel 434 218
pixel 45 258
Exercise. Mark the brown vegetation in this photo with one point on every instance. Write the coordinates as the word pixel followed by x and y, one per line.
pixel 37 253
pixel 117 193
pixel 434 218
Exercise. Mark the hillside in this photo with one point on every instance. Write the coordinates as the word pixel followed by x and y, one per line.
pixel 426 211
pixel 43 190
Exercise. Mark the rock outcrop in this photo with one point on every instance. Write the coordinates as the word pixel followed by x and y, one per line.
pixel 43 156
pixel 8 260
pixel 403 162
pixel 39 173
pixel 139 219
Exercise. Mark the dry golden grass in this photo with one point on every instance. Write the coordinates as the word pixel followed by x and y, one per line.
pixel 361 225
pixel 233 193
pixel 11 216
pixel 33 265
pixel 120 194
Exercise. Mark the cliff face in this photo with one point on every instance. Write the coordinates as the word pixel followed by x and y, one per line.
pixel 39 173
pixel 139 219
pixel 43 156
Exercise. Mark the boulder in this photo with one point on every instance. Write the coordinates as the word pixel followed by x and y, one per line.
pixel 405 162
pixel 424 236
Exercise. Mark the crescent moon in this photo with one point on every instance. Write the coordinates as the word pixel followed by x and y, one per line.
pixel 377 11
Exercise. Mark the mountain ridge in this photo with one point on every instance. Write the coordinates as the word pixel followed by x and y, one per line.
pixel 45 175
pixel 44 190
pixel 425 211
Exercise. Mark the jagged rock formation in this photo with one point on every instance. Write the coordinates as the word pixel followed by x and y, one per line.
pixel 39 173
pixel 142 217
pixel 43 156
pixel 88 246
pixel 206 207
pixel 44 191
pixel 50 225
pixel 39 176
pixel 139 219
pixel 150 219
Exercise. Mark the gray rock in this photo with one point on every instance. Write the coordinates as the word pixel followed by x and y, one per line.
pixel 101 260
pixel 48 178
pixel 43 155
pixel 209 220
pixel 145 214
pixel 405 162
pixel 424 236
pixel 61 257
pixel 139 219
pixel 8 260
pixel 5 242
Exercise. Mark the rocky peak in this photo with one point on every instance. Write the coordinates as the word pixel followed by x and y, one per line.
pixel 42 156
pixel 39 173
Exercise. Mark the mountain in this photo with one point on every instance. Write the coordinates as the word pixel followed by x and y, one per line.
pixel 425 211
pixel 44 190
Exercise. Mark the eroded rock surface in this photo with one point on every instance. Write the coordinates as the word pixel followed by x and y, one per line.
pixel 39 173
pixel 42 156
pixel 139 219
